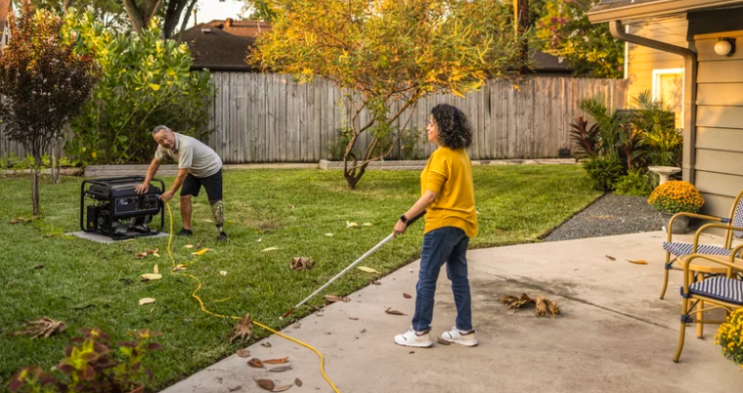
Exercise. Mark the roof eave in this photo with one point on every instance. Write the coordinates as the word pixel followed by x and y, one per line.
pixel 655 9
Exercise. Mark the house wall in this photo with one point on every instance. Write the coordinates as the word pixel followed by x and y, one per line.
pixel 642 61
pixel 718 147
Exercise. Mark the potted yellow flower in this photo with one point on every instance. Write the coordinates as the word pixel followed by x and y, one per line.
pixel 674 197
pixel 730 337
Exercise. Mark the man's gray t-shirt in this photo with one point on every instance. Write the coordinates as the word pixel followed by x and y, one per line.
pixel 198 158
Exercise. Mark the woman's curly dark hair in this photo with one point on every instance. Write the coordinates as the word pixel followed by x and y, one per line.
pixel 454 129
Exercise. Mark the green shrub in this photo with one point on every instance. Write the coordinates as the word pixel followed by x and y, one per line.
pixel 604 171
pixel 145 81
pixel 636 183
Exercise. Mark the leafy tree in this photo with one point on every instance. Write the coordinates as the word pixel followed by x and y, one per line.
pixel 44 81
pixel 563 30
pixel 146 81
pixel 378 52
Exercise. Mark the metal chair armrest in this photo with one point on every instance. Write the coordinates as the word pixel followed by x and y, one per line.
pixel 692 215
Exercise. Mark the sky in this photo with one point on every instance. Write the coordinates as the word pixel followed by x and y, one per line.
pixel 215 9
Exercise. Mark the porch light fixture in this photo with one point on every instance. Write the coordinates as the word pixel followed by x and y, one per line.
pixel 725 47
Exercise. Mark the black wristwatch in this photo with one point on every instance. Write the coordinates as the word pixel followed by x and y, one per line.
pixel 404 219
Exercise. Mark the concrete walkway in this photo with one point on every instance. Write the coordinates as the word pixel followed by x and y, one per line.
pixel 615 335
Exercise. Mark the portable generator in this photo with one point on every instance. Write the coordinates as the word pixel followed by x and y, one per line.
pixel 114 208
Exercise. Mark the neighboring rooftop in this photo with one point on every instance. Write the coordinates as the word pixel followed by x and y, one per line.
pixel 223 45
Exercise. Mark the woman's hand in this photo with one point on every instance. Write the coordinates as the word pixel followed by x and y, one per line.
pixel 400 228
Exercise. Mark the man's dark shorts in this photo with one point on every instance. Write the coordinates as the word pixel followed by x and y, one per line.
pixel 212 184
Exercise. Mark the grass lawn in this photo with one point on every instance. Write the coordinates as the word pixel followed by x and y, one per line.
pixel 88 285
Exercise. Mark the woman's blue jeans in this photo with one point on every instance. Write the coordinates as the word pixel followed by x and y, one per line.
pixel 441 246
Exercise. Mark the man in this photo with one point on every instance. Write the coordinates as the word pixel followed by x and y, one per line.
pixel 198 165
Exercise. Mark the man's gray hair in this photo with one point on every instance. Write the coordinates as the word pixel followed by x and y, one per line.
pixel 158 129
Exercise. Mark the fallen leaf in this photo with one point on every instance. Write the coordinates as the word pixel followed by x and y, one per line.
pixel 367 269
pixel 236 388
pixel 411 352
pixel 270 249
pixel 353 319
pixel 156 255
pixel 223 272
pixel 553 307
pixel 243 353
pixel 155 251
pixel 442 341
pixel 329 234
pixel 146 300
pixel 201 252
pixel 282 388
pixel 393 312
pixel 406 296
pixel 280 369
pixel 375 282
pixel 255 363
pixel 541 307
pixel 242 330
pixel 151 277
pixel 516 302
pixel 301 264
pixel 260 240
pixel 44 327
pixel 266 344
pixel 363 331
pixel 638 262
pixel 141 255
pixel 39 267
pixel 156 270
pixel 198 244
pixel 266 384
pixel 611 258
pixel 298 382
pixel 367 224
pixel 180 267
pixel 188 246
pixel 291 207
pixel 351 225
pixel 276 361
pixel 334 299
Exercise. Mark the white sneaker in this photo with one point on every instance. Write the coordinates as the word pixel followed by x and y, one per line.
pixel 455 336
pixel 411 338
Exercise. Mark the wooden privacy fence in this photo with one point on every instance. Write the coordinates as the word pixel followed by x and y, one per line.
pixel 270 118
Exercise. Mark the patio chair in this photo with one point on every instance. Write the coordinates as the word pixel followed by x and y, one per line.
pixel 718 292
pixel 677 249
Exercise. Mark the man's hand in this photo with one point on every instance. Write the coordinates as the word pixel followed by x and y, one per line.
pixel 142 188
pixel 400 228
pixel 166 196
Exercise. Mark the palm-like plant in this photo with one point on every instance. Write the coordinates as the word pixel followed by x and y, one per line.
pixel 587 138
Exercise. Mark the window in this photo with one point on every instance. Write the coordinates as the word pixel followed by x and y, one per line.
pixel 668 85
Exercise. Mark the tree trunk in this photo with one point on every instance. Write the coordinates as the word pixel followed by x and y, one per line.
pixel 35 189
pixel 521 23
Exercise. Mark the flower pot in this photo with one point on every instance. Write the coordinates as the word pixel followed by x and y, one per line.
pixel 680 224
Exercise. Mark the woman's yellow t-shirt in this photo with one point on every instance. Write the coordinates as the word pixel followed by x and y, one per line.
pixel 449 173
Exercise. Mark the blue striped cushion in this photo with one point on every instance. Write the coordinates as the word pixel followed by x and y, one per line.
pixel 720 288
pixel 681 249
pixel 738 219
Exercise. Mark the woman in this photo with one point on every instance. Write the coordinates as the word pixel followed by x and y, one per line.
pixel 448 193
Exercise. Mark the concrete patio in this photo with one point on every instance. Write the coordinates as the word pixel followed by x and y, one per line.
pixel 614 334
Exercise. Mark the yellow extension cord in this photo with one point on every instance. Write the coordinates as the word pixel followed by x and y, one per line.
pixel 201 303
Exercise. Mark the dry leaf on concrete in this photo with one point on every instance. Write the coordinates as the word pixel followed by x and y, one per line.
pixel 298 382
pixel 638 262
pixel 611 258
pixel 393 312
pixel 243 353
pixel 282 388
pixel 280 369
pixel 516 302
pixel 266 384
pixel 255 363
pixel 276 361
